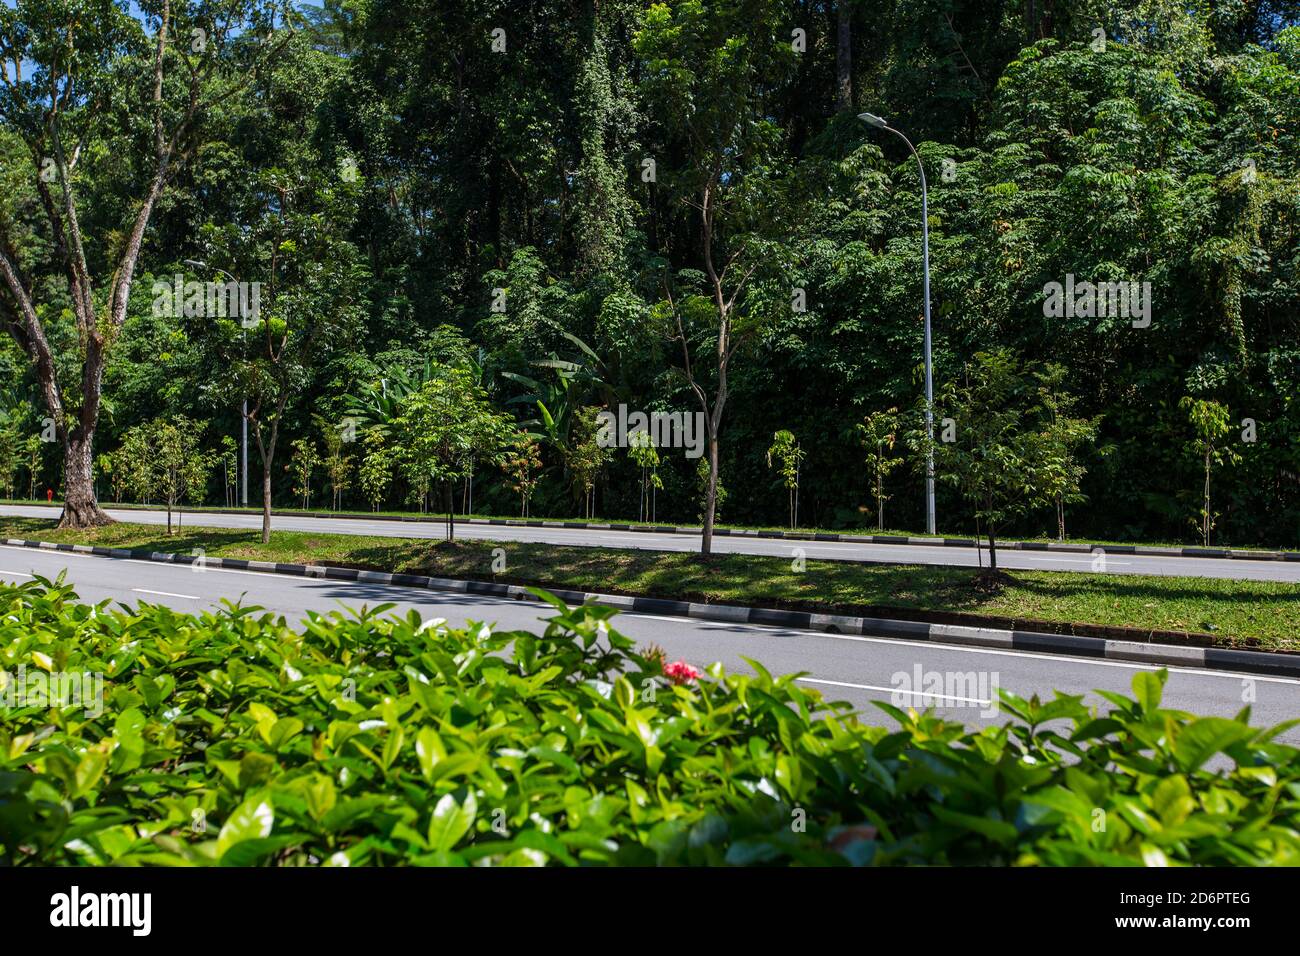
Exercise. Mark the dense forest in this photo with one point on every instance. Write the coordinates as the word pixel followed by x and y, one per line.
pixel 555 207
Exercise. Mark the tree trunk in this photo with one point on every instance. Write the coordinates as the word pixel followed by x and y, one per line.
pixel 1060 518
pixel 844 58
pixel 1205 517
pixel 451 511
pixel 710 495
pixel 80 508
pixel 266 501
pixel 993 550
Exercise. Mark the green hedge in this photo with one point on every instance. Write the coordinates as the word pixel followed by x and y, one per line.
pixel 236 739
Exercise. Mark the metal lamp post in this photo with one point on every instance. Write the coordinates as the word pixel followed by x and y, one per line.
pixel 243 418
pixel 880 123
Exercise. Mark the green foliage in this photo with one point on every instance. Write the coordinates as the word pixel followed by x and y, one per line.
pixel 522 463
pixel 338 464
pixel 878 433
pixel 164 459
pixel 641 449
pixel 789 456
pixel 110 104
pixel 376 472
pixel 132 470
pixel 443 429
pixel 303 461
pixel 227 459
pixel 702 486
pixel 1063 435
pixel 233 739
pixel 586 456
pixel 1009 450
pixel 33 450
pixel 12 422
pixel 1211 424
pixel 383 184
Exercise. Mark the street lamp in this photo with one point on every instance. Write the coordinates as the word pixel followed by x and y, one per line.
pixel 880 123
pixel 243 418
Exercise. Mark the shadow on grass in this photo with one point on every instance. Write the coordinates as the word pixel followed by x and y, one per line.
pixel 1126 587
pixel 130 536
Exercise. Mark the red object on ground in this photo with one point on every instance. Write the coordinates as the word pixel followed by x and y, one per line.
pixel 49 494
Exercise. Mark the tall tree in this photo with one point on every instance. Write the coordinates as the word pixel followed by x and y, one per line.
pixel 290 235
pixel 98 101
pixel 710 73
pixel 844 55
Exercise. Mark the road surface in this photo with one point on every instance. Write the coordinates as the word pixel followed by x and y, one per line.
pixel 844 667
pixel 1232 568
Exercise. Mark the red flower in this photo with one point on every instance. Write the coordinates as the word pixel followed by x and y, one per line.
pixel 680 672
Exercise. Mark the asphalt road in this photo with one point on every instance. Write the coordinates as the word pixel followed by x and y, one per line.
pixel 844 667
pixel 838 551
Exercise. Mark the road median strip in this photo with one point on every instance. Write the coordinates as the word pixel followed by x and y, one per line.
pixel 1269 663
pixel 1151 551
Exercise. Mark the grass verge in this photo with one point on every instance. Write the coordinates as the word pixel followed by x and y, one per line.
pixel 864 531
pixel 1259 614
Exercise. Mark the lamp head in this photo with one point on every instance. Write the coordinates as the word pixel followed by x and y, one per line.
pixel 874 120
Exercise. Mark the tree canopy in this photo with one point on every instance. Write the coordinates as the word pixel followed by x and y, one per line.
pixel 668 206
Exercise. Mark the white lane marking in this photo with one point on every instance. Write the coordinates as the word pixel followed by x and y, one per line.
pixel 1082 559
pixel 50 551
pixel 18 574
pixel 1016 560
pixel 895 690
pixel 270 577
pixel 188 597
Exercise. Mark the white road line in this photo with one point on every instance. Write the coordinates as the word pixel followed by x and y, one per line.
pixel 1082 559
pixel 18 574
pixel 62 554
pixel 270 577
pixel 895 690
pixel 188 597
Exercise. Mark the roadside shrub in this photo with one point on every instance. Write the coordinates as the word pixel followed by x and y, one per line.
pixel 236 739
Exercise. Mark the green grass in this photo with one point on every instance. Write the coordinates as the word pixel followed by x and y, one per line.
pixel 1241 613
pixel 863 530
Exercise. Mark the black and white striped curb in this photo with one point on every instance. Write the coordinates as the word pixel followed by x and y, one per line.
pixel 1177 655
pixel 1240 554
